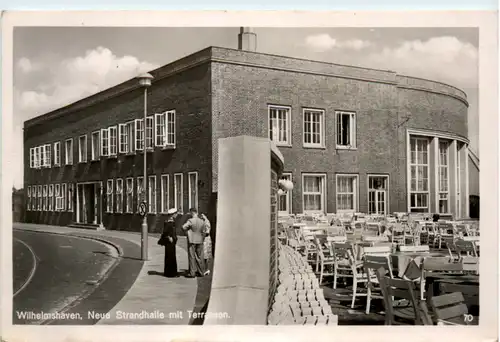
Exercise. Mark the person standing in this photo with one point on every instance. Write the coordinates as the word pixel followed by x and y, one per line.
pixel 194 228
pixel 169 239
pixel 207 243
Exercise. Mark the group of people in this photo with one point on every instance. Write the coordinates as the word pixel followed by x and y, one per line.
pixel 197 229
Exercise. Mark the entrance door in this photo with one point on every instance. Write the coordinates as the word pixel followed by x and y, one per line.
pixel 377 194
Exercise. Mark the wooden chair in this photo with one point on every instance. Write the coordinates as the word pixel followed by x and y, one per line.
pixel 372 229
pixel 437 265
pixel 400 289
pixel 346 266
pixel 371 264
pixel 467 247
pixel 399 235
pixel 326 258
pixel 377 250
pixel 449 309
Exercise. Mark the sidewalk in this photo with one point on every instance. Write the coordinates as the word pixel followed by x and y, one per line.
pixel 151 294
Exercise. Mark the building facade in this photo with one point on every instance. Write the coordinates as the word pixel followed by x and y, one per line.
pixel 353 139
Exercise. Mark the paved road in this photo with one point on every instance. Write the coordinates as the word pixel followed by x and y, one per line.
pixel 53 270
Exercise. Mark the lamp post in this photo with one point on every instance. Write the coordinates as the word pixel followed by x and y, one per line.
pixel 145 82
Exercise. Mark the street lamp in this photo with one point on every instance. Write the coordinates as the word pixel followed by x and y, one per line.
pixel 145 82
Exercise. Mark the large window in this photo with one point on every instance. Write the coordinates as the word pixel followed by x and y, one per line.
pixel 152 194
pixel 96 147
pixel 419 174
pixel 57 153
pixel 38 156
pixel 51 197
pixel 347 190
pixel 313 128
pixel 39 202
pixel 69 151
pixel 314 192
pixel 149 132
pixel 82 149
pixel 164 193
pixel 119 195
pixel 28 197
pixel 377 194
pixel 178 194
pixel 280 125
pixel 70 197
pixel 109 196
pixel 140 191
pixel 57 195
pixel 139 134
pixel 45 197
pixel 346 129
pixel 130 195
pixel 130 134
pixel 285 200
pixel 104 142
pixel 193 190
pixel 47 160
pixel 33 197
pixel 164 134
pixel 122 138
pixel 113 141
pixel 443 176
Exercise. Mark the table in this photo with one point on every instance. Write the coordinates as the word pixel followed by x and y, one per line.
pixel 408 264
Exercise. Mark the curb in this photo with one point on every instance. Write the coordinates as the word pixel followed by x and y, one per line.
pixel 94 286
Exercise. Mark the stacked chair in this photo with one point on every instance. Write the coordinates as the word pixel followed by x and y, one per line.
pixel 299 298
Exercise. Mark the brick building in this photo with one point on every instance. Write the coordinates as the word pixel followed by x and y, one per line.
pixel 353 139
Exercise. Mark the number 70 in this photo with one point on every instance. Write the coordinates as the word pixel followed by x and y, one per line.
pixel 468 318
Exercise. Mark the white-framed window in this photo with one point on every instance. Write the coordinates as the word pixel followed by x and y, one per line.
pixel 32 157
pixel 346 129
pixel 45 197
pixel 378 193
pixel 193 189
pixel 165 193
pixel 82 149
pixel 122 138
pixel 164 133
pixel 119 195
pixel 285 200
pixel 109 196
pixel 314 123
pixel 347 192
pixel 28 198
pixel 140 191
pixel 113 141
pixel 70 196
pixel 96 145
pixel 139 134
pixel 57 194
pixel 47 155
pixel 104 142
pixel 152 194
pixel 39 202
pixel 129 205
pixel 68 151
pixel 57 153
pixel 419 174
pixel 51 197
pixel 280 125
pixel 130 133
pixel 178 193
pixel 63 195
pixel 38 156
pixel 313 192
pixel 149 132
pixel 33 197
pixel 443 171
pixel 170 122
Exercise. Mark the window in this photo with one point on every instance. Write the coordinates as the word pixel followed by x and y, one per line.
pixel 39 202
pixel 57 153
pixel 314 192
pixel 104 142
pixel 51 197
pixel 119 195
pixel 69 151
pixel 377 194
pixel 313 128
pixel 130 133
pixel 122 138
pixel 109 196
pixel 459 210
pixel 140 191
pixel 46 153
pixel 28 203
pixel 285 200
pixel 41 162
pixel 112 141
pixel 45 198
pixel 70 197
pixel 33 198
pixel 164 193
pixel 38 156
pixel 63 196
pixel 130 195
pixel 443 176
pixel 82 149
pixel 347 188
pixel 149 132
pixel 152 194
pixel 279 125
pixel 58 197
pixel 164 133
pixel 178 195
pixel 346 129
pixel 32 157
pixel 139 134
pixel 193 190
pixel 419 174
pixel 96 147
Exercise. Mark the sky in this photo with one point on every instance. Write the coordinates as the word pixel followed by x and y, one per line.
pixel 56 66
